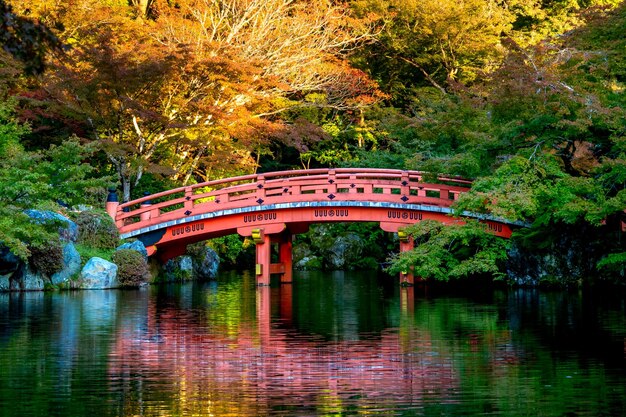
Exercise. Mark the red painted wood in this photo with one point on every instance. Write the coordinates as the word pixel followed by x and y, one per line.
pixel 406 277
pixel 289 186
pixel 263 261
pixel 285 255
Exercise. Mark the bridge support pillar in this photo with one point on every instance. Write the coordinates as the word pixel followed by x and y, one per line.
pixel 264 266
pixel 406 244
pixel 285 258
pixel 263 256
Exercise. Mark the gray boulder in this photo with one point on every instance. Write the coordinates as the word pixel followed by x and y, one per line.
pixel 206 263
pixel 304 259
pixel 69 230
pixel 569 259
pixel 27 279
pixel 5 283
pixel 309 263
pixel 345 250
pixel 179 269
pixel 339 252
pixel 71 265
pixel 137 246
pixel 98 274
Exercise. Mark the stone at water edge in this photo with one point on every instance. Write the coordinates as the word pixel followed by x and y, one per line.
pixel 179 269
pixel 4 283
pixel 345 250
pixel 206 264
pixel 27 279
pixel 71 265
pixel 98 274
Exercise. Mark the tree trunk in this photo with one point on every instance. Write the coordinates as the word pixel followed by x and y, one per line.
pixel 123 176
pixel 194 164
pixel 143 7
pixel 125 181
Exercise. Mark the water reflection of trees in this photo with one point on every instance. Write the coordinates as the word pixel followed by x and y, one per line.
pixel 440 355
pixel 219 348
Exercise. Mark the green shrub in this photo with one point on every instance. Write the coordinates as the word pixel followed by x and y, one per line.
pixel 87 252
pixel 47 258
pixel 367 263
pixel 97 230
pixel 132 268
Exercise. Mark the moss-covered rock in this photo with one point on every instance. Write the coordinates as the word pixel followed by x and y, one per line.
pixel 206 262
pixel 97 274
pixel 71 265
pixel 179 269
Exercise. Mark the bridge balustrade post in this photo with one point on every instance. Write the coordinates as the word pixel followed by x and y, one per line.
pixel 444 194
pixel 260 187
pixel 405 189
pixel 112 203
pixel 188 198
pixel 353 189
pixel 146 214
pixel 332 181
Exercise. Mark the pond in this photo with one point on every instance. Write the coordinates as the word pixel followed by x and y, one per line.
pixel 330 344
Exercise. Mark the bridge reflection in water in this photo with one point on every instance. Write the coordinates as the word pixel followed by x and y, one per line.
pixel 252 370
pixel 271 207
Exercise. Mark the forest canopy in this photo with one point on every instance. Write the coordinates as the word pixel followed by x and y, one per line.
pixel 525 97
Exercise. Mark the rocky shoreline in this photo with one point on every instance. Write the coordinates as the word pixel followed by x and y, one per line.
pixel 97 273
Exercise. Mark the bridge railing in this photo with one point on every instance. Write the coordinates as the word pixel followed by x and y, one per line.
pixel 342 184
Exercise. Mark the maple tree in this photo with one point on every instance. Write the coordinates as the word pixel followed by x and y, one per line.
pixel 26 39
pixel 186 88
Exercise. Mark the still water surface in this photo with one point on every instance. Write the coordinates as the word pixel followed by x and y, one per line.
pixel 328 345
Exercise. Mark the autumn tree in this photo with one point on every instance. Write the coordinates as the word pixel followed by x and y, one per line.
pixel 26 39
pixel 300 50
pixel 197 87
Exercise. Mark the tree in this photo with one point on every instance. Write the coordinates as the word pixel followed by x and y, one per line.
pixel 26 39
pixel 432 42
pixel 38 180
pixel 199 86
pixel 453 251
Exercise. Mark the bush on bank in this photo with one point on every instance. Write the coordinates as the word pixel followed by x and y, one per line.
pixel 96 229
pixel 48 258
pixel 132 268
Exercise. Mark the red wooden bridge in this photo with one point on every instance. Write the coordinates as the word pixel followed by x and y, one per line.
pixel 271 207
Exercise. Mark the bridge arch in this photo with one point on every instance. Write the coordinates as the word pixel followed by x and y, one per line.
pixel 271 207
